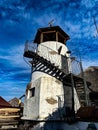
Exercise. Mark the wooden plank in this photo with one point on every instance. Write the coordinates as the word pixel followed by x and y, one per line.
pixel 56 36
pixel 41 39
pixel 8 128
pixel 13 116
pixel 49 32
pixel 9 114
pixel 10 109
pixel 9 123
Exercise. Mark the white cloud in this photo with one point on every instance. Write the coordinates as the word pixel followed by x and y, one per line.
pixel 11 89
pixel 15 56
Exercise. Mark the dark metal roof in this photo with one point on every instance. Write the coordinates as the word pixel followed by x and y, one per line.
pixel 15 102
pixel 53 28
pixel 4 103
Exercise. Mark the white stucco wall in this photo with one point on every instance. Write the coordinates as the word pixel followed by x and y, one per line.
pixel 54 45
pixel 31 105
pixel 50 89
pixel 47 88
pixel 49 50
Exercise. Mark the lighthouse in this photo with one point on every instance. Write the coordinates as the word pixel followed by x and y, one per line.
pixel 53 92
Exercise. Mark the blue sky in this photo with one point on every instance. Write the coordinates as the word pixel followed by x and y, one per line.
pixel 19 21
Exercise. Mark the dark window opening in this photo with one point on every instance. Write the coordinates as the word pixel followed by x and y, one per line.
pixel 49 36
pixel 32 92
pixel 59 50
pixel 61 38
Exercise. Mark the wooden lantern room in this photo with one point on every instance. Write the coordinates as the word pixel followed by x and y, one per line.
pixel 54 33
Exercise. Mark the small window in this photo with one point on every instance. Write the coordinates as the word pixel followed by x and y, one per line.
pixel 32 92
pixel 61 38
pixel 49 36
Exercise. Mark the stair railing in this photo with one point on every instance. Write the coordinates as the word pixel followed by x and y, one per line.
pixel 51 55
pixel 74 66
pixel 47 53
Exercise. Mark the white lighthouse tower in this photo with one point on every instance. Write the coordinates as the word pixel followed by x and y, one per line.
pixel 51 93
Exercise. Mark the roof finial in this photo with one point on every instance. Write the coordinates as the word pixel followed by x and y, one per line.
pixel 50 23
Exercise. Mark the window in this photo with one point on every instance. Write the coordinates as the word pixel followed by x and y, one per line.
pixel 60 38
pixel 32 92
pixel 49 36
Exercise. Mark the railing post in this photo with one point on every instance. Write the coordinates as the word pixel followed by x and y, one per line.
pixel 85 85
pixel 73 86
pixel 69 65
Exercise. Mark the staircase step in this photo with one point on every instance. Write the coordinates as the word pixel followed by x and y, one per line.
pixel 53 70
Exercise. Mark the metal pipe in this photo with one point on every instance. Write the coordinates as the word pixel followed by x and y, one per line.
pixel 85 85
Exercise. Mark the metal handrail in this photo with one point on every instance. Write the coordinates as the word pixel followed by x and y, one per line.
pixel 74 66
pixel 46 54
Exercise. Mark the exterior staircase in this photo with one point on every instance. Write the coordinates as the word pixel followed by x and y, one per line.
pixel 39 63
pixel 43 65
pixel 81 92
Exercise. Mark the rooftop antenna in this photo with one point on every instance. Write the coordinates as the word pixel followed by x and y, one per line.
pixel 95 26
pixel 51 22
